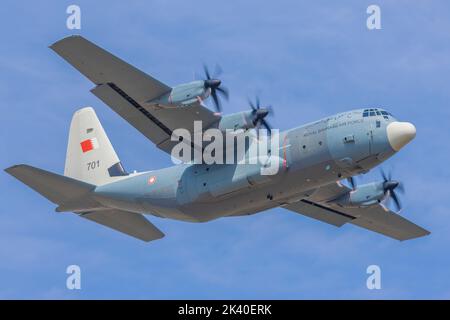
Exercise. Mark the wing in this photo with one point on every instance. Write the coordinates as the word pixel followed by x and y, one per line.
pixel 382 220
pixel 376 218
pixel 127 91
pixel 132 224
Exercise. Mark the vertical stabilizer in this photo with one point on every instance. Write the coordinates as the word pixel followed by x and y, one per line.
pixel 90 156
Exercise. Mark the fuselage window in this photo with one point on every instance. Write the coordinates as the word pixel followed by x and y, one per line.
pixel 378 123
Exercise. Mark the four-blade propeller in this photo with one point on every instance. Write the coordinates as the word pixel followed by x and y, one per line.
pixel 259 114
pixel 214 84
pixel 352 182
pixel 390 186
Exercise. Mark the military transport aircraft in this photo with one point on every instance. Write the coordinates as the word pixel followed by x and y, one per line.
pixel 313 158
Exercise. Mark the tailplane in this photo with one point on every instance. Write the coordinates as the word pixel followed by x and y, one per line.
pixel 73 195
pixel 90 161
pixel 58 189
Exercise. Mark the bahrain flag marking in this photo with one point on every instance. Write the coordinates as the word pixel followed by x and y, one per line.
pixel 89 144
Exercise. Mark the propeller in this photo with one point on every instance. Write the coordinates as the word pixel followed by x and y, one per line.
pixel 259 114
pixel 390 186
pixel 214 84
pixel 352 182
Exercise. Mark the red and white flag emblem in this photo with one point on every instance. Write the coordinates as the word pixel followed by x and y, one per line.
pixel 151 180
pixel 89 144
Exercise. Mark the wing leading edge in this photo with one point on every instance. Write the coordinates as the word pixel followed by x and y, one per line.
pixel 376 218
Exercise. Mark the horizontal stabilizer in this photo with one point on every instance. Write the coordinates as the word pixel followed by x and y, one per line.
pixel 56 188
pixel 133 224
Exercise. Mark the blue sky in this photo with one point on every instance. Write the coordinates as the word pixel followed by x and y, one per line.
pixel 307 59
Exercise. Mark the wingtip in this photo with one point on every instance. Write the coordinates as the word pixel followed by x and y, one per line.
pixel 423 234
pixel 160 236
pixel 11 169
pixel 56 44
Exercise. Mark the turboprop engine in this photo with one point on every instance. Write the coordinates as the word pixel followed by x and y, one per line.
pixel 196 91
pixel 362 196
pixel 184 94
pixel 371 193
pixel 254 118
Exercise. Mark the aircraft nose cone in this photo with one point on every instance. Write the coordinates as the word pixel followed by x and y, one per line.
pixel 400 133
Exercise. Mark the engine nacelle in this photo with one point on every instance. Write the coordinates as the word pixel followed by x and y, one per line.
pixel 183 95
pixel 363 196
pixel 235 121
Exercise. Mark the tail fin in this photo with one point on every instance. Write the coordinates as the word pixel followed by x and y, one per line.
pixel 90 156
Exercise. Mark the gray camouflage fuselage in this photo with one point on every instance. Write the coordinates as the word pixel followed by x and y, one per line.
pixel 316 154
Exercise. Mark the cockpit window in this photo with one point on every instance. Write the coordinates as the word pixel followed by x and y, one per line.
pixel 376 112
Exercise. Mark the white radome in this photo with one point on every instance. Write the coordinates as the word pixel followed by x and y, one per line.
pixel 400 133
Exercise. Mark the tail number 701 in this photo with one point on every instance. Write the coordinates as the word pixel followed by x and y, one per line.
pixel 93 165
